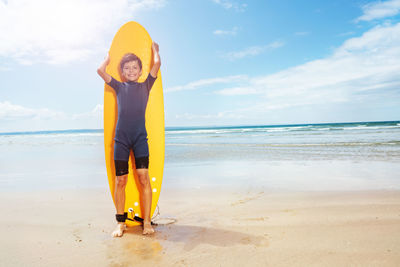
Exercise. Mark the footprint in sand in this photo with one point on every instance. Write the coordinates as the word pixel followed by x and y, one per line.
pixel 76 234
pixel 247 199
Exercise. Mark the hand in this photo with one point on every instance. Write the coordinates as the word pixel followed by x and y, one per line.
pixel 155 47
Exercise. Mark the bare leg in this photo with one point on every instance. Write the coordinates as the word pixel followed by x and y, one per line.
pixel 119 196
pixel 146 199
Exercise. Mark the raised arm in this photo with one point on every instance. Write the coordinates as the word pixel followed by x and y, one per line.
pixel 156 60
pixel 102 69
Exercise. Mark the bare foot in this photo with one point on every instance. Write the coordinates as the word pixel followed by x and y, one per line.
pixel 147 229
pixel 119 231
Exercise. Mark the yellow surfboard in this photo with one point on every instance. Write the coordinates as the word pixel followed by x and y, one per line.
pixel 133 38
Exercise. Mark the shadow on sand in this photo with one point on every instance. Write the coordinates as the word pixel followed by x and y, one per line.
pixel 191 236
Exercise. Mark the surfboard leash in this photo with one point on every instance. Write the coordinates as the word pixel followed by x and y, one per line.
pixel 137 218
pixel 153 220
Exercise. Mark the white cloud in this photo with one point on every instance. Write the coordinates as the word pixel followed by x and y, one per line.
pixel 364 70
pixel 207 82
pixel 57 32
pixel 231 5
pixel 361 74
pixel 252 51
pixel 232 32
pixel 238 91
pixel 94 113
pixel 10 111
pixel 19 118
pixel 378 10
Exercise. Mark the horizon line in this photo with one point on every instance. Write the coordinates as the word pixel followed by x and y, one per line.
pixel 202 126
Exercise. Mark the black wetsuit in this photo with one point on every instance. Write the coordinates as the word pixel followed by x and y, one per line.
pixel 130 132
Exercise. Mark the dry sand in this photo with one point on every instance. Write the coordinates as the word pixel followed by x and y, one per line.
pixel 213 228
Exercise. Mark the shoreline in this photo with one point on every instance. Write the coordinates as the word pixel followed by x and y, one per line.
pixel 214 228
pixel 201 127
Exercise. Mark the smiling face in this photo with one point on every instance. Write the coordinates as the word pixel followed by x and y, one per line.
pixel 131 71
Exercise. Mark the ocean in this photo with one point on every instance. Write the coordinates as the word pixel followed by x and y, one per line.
pixel 329 156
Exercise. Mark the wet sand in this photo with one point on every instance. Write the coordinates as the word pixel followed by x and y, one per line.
pixel 213 228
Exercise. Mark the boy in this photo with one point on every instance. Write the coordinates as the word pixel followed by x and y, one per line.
pixel 130 132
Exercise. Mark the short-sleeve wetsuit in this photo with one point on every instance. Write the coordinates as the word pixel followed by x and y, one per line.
pixel 130 132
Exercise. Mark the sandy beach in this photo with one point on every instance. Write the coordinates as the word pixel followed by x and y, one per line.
pixel 271 196
pixel 213 228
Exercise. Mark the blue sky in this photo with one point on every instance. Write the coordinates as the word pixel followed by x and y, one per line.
pixel 223 62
